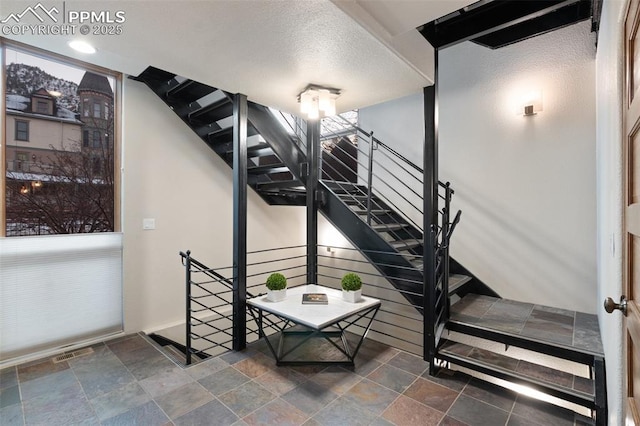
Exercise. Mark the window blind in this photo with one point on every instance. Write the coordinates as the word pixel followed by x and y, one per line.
pixel 57 290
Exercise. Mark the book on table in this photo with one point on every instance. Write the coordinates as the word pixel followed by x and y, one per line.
pixel 314 299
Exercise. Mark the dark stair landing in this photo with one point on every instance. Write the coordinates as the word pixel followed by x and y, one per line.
pixel 576 331
pixel 559 333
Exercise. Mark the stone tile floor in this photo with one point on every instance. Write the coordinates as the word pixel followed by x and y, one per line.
pixel 130 381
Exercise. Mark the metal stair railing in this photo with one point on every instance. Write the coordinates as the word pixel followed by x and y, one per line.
pixel 206 300
pixel 294 125
pixel 392 182
pixel 209 296
pixel 399 172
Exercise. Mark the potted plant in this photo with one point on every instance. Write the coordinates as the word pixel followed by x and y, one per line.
pixel 351 287
pixel 277 287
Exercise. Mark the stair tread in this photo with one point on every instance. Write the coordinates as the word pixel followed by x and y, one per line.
pixel 355 198
pixel 213 112
pixel 288 184
pixel 189 90
pixel 259 150
pixel 456 281
pixel 405 244
pixel 558 329
pixel 385 227
pixel 373 211
pixel 225 134
pixel 268 168
pixel 535 373
pixel 154 76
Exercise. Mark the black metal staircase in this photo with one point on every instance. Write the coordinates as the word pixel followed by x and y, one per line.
pixel 208 112
pixel 277 173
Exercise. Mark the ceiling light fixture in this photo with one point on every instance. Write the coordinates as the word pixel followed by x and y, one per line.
pixel 82 46
pixel 318 100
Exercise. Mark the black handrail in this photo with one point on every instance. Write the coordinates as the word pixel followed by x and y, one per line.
pixel 203 268
pixel 201 293
pixel 388 148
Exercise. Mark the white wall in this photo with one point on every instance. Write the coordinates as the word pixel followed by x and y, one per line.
pixel 609 66
pixel 525 185
pixel 172 176
pixel 399 124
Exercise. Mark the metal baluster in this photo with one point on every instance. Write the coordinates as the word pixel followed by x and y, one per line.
pixel 187 266
pixel 370 178
pixel 445 250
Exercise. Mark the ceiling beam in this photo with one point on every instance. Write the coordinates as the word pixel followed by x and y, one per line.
pixel 486 17
pixel 560 18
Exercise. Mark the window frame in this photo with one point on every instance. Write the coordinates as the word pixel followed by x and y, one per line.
pixel 17 131
pixel 116 137
pixel 97 139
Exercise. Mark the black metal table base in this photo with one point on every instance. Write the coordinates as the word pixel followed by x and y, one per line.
pixel 287 328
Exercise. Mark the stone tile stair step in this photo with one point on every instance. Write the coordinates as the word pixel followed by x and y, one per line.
pixel 569 387
pixel 456 281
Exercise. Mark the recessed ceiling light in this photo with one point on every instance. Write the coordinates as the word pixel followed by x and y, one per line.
pixel 82 46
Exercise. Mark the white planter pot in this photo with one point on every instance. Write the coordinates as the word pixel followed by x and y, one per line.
pixel 276 295
pixel 352 296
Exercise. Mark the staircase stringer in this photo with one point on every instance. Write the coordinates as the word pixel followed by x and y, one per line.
pixel 396 269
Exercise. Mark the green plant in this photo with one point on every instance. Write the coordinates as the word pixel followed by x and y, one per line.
pixel 276 281
pixel 351 282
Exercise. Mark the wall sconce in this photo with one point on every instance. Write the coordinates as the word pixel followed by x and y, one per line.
pixel 532 103
pixel 24 190
pixel 36 184
pixel 318 100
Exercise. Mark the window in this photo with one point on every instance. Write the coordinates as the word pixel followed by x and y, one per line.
pixel 106 111
pixel 21 161
pixel 97 140
pixel 71 152
pixel 22 130
pixel 42 107
pixel 61 196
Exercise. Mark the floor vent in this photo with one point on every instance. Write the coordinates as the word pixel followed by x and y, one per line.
pixel 68 356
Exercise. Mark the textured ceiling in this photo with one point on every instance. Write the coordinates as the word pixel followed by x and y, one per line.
pixel 267 49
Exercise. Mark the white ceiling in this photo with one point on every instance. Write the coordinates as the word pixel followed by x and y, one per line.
pixel 267 49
